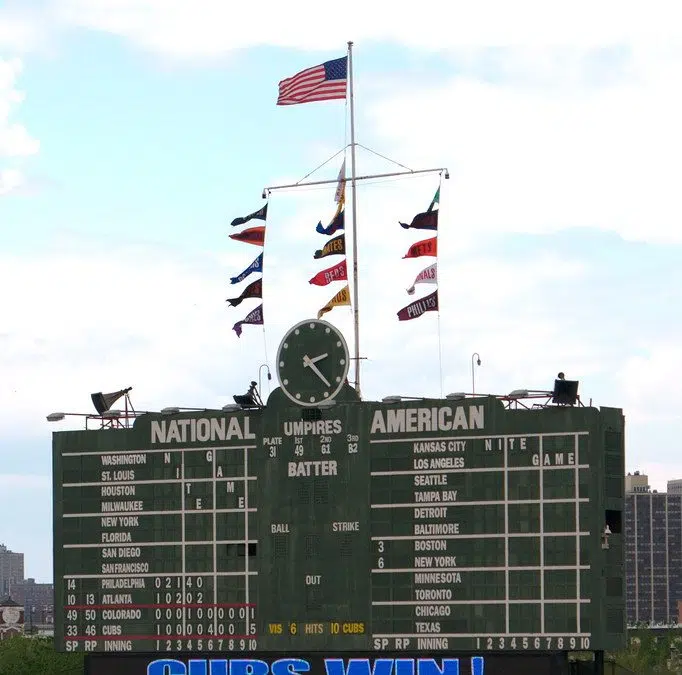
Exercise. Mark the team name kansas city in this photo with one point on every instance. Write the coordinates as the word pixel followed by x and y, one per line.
pixel 444 418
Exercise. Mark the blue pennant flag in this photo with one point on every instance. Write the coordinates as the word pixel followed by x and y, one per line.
pixel 337 224
pixel 255 266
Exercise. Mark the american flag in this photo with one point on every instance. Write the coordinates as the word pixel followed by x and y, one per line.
pixel 320 83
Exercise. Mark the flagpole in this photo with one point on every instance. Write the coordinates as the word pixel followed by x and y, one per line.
pixel 356 311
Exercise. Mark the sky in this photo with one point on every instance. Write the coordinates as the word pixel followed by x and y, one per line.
pixel 132 132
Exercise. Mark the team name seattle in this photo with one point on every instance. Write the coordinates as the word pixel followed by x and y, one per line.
pixel 445 418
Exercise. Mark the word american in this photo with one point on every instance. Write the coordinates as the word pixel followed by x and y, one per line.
pixel 415 420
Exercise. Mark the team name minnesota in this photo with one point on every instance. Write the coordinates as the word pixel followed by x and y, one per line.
pixel 201 430
pixel 445 418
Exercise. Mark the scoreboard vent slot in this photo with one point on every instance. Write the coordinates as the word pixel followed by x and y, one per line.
pixel 281 547
pixel 311 414
pixel 313 598
pixel 321 492
pixel 346 547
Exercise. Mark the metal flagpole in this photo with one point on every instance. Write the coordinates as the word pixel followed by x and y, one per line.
pixel 356 311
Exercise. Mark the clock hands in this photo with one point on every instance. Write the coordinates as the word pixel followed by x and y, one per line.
pixel 310 363
pixel 319 358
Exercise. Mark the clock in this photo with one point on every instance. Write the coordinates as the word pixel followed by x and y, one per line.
pixel 312 362
pixel 11 615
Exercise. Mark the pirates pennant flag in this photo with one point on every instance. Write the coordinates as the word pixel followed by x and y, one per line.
pixel 255 266
pixel 427 220
pixel 253 290
pixel 341 298
pixel 338 222
pixel 429 275
pixel 261 214
pixel 419 307
pixel 425 247
pixel 338 272
pixel 335 246
pixel 254 318
pixel 251 235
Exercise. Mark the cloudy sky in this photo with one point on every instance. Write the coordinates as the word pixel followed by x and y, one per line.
pixel 133 131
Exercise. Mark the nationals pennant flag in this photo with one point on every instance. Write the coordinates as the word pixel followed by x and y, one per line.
pixel 251 235
pixel 338 222
pixel 254 317
pixel 255 266
pixel 427 220
pixel 261 214
pixel 253 290
pixel 341 298
pixel 338 272
pixel 429 275
pixel 419 307
pixel 335 246
pixel 425 247
pixel 319 83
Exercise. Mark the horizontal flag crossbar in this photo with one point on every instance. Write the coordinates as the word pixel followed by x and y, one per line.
pixel 272 188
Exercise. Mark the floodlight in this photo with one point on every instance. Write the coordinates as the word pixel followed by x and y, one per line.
pixel 391 399
pixel 518 393
pixel 456 396
pixel 565 391
pixel 111 413
pixel 103 402
pixel 56 417
pixel 326 404
pixel 249 400
pixel 231 407
pixel 172 410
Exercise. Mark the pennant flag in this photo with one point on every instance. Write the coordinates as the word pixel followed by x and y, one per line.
pixel 261 214
pixel 338 272
pixel 429 275
pixel 335 246
pixel 255 266
pixel 254 317
pixel 319 83
pixel 427 220
pixel 340 195
pixel 253 290
pixel 251 235
pixel 419 307
pixel 341 298
pixel 338 222
pixel 428 247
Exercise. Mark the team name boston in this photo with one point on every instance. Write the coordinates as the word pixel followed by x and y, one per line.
pixel 444 418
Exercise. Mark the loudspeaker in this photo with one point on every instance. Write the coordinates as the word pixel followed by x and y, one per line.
pixel 103 402
pixel 565 392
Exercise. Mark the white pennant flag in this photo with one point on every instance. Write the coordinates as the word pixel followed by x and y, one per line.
pixel 428 275
pixel 341 185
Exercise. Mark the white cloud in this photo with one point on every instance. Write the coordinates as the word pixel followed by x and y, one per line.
pixel 10 180
pixel 206 28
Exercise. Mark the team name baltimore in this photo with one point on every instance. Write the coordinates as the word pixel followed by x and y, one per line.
pixel 413 420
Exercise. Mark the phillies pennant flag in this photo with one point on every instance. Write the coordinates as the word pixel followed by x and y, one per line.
pixel 255 266
pixel 261 214
pixel 338 223
pixel 335 246
pixel 425 247
pixel 338 272
pixel 251 235
pixel 254 318
pixel 419 307
pixel 319 83
pixel 429 275
pixel 427 220
pixel 341 298
pixel 253 290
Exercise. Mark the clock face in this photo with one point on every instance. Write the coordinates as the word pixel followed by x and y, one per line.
pixel 11 615
pixel 312 362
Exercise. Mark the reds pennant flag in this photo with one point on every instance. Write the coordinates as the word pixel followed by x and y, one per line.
pixel 253 290
pixel 338 272
pixel 251 235
pixel 335 246
pixel 254 317
pixel 429 275
pixel 419 307
pixel 425 247
pixel 319 83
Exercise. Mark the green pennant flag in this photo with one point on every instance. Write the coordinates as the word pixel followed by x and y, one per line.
pixel 435 200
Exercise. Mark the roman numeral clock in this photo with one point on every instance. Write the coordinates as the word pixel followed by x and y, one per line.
pixel 312 362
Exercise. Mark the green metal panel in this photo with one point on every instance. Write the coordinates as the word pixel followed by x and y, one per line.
pixel 424 525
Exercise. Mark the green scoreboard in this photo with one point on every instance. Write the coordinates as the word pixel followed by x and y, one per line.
pixel 323 523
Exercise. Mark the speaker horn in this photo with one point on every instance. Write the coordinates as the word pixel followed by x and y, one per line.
pixel 103 402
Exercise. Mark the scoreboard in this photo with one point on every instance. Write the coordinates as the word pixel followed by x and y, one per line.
pixel 429 525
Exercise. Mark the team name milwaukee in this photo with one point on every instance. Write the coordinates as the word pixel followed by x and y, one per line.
pixel 445 418
pixel 201 430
